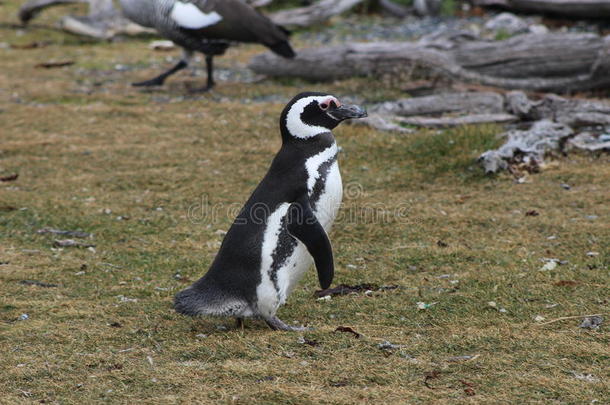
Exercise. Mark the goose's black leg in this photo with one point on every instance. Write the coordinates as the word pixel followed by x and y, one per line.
pixel 239 323
pixel 158 81
pixel 209 59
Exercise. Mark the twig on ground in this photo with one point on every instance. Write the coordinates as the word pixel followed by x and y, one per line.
pixel 565 318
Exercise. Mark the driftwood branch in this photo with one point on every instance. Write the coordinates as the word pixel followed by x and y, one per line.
pixel 557 62
pixel 558 123
pixel 314 14
pixel 460 108
pixel 32 8
pixel 471 119
pixel 104 21
pixel 572 112
pixel 568 8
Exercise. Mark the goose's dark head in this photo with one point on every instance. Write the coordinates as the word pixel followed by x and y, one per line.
pixel 310 114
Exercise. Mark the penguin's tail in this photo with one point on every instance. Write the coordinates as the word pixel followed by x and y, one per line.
pixel 198 300
pixel 189 302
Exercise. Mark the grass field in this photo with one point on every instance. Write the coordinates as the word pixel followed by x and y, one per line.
pixel 156 176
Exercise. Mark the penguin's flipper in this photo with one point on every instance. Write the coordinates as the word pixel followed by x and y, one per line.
pixel 303 225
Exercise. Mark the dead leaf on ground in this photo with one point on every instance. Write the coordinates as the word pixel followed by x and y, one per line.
pixel 469 390
pixel 10 177
pixel 442 244
pixel 566 283
pixel 31 45
pixel 344 289
pixel 347 329
pixel 431 375
pixel 50 65
pixel 532 213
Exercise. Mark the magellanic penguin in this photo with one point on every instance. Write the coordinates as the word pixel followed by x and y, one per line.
pixel 206 26
pixel 283 227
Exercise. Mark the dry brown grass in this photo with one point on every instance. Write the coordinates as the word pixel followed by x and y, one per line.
pixel 84 142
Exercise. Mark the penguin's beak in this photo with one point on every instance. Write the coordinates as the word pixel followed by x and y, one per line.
pixel 346 111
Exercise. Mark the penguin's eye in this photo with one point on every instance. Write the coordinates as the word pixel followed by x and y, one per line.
pixel 324 106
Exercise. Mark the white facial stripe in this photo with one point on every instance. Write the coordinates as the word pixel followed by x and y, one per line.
pixel 187 15
pixel 313 164
pixel 298 128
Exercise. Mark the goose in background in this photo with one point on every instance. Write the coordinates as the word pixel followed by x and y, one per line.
pixel 206 26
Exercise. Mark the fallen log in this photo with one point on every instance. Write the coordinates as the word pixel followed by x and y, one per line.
pixel 472 119
pixel 567 8
pixel 462 102
pixel 557 62
pixel 315 14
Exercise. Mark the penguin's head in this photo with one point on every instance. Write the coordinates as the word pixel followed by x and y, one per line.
pixel 310 114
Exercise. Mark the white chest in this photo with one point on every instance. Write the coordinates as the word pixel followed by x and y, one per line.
pixel 330 199
pixel 324 185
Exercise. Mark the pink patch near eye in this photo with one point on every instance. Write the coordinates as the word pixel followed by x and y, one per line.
pixel 330 102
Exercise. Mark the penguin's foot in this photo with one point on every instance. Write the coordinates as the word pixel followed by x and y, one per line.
pixel 276 323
